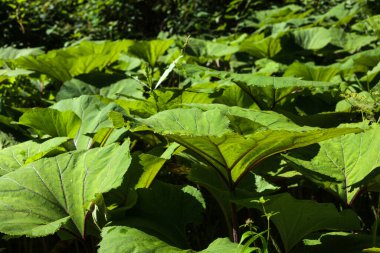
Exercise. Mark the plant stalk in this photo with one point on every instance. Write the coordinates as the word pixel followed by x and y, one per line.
pixel 234 223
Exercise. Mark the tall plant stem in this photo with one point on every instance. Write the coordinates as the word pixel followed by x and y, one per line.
pixel 234 223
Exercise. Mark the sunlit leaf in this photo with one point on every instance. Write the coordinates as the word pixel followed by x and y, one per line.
pixel 39 198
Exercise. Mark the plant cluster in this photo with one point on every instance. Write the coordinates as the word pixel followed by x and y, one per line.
pixel 265 141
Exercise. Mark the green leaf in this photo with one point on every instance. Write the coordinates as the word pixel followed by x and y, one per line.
pixel 298 218
pixel 365 60
pixel 9 53
pixel 152 164
pixel 15 156
pixel 75 88
pixel 125 239
pixel 125 87
pixel 164 210
pixel 52 122
pixel 64 64
pixel 192 121
pixel 312 38
pixel 336 242
pixel 276 15
pixel 207 135
pixel 262 48
pixel 151 50
pixel 348 159
pixel 209 49
pixel 308 71
pixel 265 91
pixel 37 199
pixel 93 113
pixel 6 140
pixel 349 42
pixel 261 119
pixel 8 73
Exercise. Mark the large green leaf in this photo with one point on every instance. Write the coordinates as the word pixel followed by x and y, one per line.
pixel 364 61
pixel 165 210
pixel 37 199
pixel 340 14
pixel 260 120
pixel 265 91
pixel 123 88
pixel 93 113
pixel 75 88
pixel 312 38
pixel 349 42
pixel 297 218
pixel 209 49
pixel 189 122
pixel 308 71
pixel 151 50
pixel 9 53
pixel 263 48
pixel 64 64
pixel 206 134
pixel 118 239
pixel 252 79
pixel 348 159
pixel 52 122
pixel 275 15
pixel 15 156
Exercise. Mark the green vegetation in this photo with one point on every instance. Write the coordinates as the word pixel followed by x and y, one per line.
pixel 121 136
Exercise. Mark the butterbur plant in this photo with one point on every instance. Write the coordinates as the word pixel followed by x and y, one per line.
pixel 237 144
pixel 229 153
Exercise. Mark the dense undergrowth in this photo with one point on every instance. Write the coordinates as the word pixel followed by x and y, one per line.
pixel 265 140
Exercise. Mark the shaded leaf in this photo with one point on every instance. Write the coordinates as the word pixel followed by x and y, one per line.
pixel 297 218
pixel 336 242
pixel 165 210
pixel 125 239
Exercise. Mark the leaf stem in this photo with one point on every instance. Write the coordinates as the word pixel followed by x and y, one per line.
pixel 234 223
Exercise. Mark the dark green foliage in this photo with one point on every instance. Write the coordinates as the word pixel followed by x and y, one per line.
pixel 262 127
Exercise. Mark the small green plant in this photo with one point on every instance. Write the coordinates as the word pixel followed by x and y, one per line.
pixel 259 240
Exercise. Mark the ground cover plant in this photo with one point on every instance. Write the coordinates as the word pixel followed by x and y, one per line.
pixel 259 141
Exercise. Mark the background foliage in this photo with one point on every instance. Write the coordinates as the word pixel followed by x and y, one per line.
pixel 190 126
